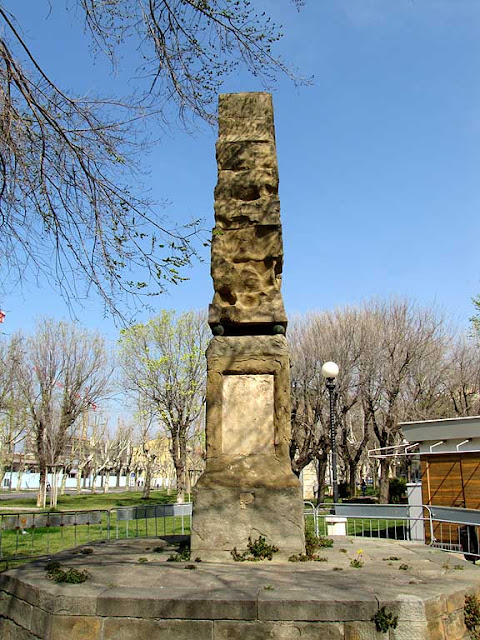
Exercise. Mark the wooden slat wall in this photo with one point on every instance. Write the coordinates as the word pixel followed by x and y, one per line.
pixel 451 480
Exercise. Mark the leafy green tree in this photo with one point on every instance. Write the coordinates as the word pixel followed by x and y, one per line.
pixel 164 367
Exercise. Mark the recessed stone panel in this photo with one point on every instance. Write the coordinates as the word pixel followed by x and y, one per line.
pixel 247 414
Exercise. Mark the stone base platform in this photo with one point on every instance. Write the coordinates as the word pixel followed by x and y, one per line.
pixel 133 593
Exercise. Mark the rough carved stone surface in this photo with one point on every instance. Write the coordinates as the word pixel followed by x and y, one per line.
pixel 248 477
pixel 247 252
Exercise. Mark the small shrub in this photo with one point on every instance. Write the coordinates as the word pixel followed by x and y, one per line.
pixel 87 551
pixel 70 576
pixel 52 565
pixel 397 489
pixel 472 616
pixel 256 550
pixel 384 621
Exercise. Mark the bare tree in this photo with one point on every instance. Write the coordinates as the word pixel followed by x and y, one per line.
pixel 64 370
pixel 14 421
pixel 163 363
pixel 398 336
pixel 71 207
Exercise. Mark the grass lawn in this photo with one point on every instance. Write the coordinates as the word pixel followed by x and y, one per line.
pixel 85 501
pixel 30 541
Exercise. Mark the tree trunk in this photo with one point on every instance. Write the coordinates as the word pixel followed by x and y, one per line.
pixel 117 484
pixel 93 488
pixel 2 473
pixel 352 477
pixel 148 480
pixel 321 471
pixel 106 484
pixel 384 480
pixel 179 461
pixel 63 483
pixel 42 489
pixel 79 479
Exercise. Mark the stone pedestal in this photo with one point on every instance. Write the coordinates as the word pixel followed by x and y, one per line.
pixel 336 526
pixel 248 488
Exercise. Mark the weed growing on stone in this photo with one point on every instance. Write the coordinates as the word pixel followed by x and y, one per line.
pixel 70 576
pixel 190 567
pixel 182 555
pixel 312 544
pixel 357 563
pixel 52 565
pixel 143 560
pixel 472 616
pixel 269 587
pixel 384 621
pixel 87 551
pixel 256 550
pixel 403 567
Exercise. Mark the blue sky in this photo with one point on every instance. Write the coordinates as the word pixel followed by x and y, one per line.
pixel 378 158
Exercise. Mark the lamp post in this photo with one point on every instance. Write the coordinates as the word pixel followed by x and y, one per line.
pixel 330 372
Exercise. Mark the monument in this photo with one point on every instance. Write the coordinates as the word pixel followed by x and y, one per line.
pixel 248 488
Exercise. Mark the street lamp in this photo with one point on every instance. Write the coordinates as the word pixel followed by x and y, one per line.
pixel 330 372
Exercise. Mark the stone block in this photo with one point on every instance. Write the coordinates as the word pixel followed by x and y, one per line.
pixel 11 631
pixel 239 214
pixel 255 243
pixel 455 625
pixel 247 186
pixel 362 631
pixel 455 601
pixel 303 605
pixel 40 622
pixel 257 129
pixel 136 629
pixel 229 630
pixel 409 630
pixel 405 607
pixel 245 105
pixel 20 612
pixel 4 602
pixel 173 604
pixel 436 629
pixel 245 155
pixel 74 628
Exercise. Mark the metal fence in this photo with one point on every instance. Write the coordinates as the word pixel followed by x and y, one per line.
pixel 30 534
pixel 446 528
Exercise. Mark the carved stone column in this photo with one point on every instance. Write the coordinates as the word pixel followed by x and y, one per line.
pixel 248 488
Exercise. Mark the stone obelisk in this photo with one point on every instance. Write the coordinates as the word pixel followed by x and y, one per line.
pixel 248 488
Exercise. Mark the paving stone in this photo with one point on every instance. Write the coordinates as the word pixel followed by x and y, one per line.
pixel 74 628
pixel 135 629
